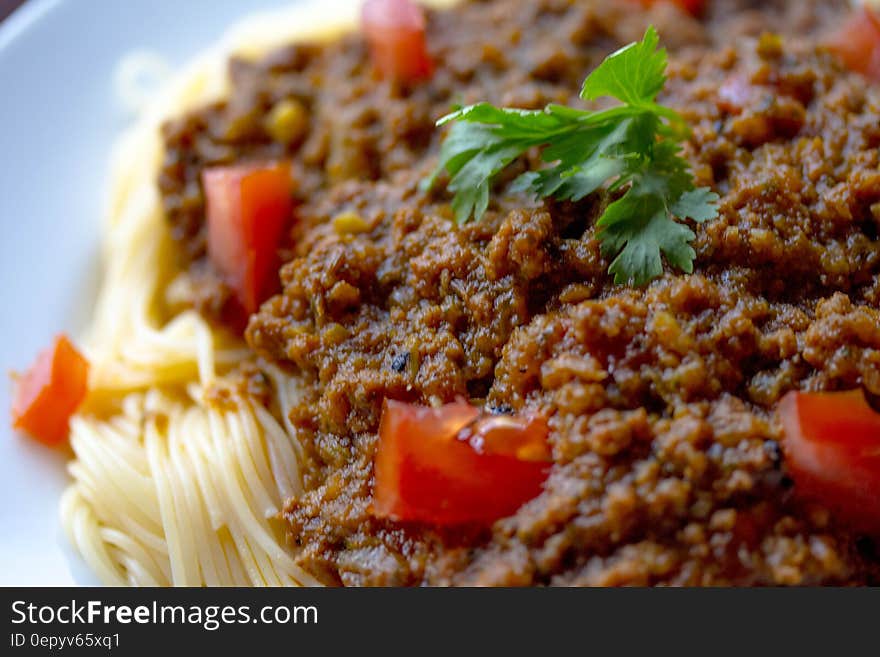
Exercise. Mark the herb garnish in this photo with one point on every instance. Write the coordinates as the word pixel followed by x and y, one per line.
pixel 635 145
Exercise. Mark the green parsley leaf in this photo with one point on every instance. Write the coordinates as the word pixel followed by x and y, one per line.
pixel 634 75
pixel 631 150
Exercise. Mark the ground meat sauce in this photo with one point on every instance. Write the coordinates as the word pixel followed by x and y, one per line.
pixel 667 464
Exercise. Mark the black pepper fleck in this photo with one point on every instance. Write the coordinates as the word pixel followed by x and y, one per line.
pixel 399 362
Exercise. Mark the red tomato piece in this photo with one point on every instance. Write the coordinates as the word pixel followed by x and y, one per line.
pixel 693 7
pixel 832 447
pixel 448 465
pixel 395 31
pixel 248 207
pixel 49 393
pixel 523 438
pixel 857 42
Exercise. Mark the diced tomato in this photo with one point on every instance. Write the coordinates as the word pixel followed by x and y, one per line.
pixel 857 42
pixel 452 465
pixel 395 30
pixel 49 393
pixel 694 7
pixel 832 448
pixel 248 207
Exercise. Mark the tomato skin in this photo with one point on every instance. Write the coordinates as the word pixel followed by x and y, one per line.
pixel 429 470
pixel 395 31
pixel 48 394
pixel 693 7
pixel 523 438
pixel 248 208
pixel 832 447
pixel 857 42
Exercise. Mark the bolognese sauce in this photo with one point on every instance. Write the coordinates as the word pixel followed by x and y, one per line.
pixel 668 462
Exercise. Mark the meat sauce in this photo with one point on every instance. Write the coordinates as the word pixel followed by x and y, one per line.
pixel 667 466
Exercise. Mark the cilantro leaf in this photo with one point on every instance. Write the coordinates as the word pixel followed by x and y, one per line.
pixel 698 204
pixel 634 75
pixel 631 150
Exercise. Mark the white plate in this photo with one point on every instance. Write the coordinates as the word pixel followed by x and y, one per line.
pixel 58 119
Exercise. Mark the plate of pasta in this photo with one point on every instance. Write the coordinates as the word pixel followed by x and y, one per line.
pixel 442 293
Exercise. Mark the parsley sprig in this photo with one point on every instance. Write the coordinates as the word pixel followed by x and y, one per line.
pixel 634 146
